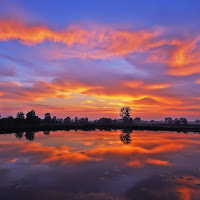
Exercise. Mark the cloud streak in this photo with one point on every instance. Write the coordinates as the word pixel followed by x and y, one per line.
pixel 104 42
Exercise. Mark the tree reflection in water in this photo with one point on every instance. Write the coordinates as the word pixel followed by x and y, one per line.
pixel 46 132
pixel 30 135
pixel 19 134
pixel 125 136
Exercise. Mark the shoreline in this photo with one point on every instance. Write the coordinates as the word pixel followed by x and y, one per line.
pixel 90 127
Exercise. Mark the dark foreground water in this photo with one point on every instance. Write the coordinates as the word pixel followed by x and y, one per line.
pixel 100 165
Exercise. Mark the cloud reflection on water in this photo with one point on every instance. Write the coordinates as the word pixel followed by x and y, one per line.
pixel 115 169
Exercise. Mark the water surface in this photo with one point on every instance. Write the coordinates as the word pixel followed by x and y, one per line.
pixel 100 165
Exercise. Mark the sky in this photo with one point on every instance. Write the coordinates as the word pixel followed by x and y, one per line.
pixel 89 58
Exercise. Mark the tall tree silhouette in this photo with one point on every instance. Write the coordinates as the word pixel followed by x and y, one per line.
pixel 125 114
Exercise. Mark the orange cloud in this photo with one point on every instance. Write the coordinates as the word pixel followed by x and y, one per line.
pixel 140 84
pixel 33 34
pixel 135 163
pixel 104 41
pixel 42 89
pixel 181 56
pixel 64 89
pixel 185 57
pixel 197 81
pixel 87 143
pixel 100 42
pixel 133 84
pixel 158 86
pixel 158 162
pixel 112 96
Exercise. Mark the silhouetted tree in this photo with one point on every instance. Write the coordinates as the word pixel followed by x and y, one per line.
pixel 76 120
pixel 54 118
pixel 86 120
pixel 31 115
pixel 177 122
pixel 67 121
pixel 10 117
pixel 19 121
pixel 168 120
pixel 83 121
pixel 137 120
pixel 20 115
pixel 183 121
pixel 47 118
pixel 125 114
pixel 32 119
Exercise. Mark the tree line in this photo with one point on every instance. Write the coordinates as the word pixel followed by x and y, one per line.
pixel 30 119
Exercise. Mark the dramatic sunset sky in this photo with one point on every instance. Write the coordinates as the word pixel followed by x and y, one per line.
pixel 91 57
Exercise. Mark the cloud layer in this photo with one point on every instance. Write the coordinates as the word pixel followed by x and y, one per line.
pixel 111 66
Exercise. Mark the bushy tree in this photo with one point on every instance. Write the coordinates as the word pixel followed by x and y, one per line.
pixel 183 121
pixel 177 122
pixel 20 115
pixel 31 118
pixel 83 121
pixel 76 120
pixel 67 120
pixel 31 115
pixel 54 118
pixel 125 114
pixel 47 117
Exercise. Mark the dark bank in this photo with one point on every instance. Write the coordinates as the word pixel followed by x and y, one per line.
pixel 31 122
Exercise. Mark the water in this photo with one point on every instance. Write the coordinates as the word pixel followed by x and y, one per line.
pixel 100 165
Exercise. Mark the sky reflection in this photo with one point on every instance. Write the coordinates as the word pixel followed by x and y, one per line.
pixel 98 165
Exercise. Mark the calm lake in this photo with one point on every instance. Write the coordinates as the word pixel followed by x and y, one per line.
pixel 80 165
